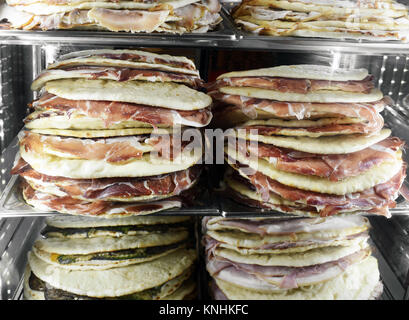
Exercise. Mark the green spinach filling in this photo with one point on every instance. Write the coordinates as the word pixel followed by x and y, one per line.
pixel 89 232
pixel 137 253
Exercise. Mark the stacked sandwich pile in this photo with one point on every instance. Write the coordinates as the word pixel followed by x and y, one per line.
pixel 290 259
pixel 349 19
pixel 142 258
pixel 172 16
pixel 316 146
pixel 106 137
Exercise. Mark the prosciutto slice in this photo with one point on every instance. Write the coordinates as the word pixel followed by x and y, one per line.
pixel 376 200
pixel 112 150
pixel 335 167
pixel 329 129
pixel 131 56
pixel 293 210
pixel 286 226
pixel 128 20
pixel 321 240
pixel 196 15
pixel 113 112
pixel 119 74
pixel 282 277
pixel 367 112
pixel 293 85
pixel 106 188
pixel 48 202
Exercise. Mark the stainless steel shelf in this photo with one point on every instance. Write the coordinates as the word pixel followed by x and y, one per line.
pixel 247 41
pixel 227 36
pixel 223 36
pixel 211 39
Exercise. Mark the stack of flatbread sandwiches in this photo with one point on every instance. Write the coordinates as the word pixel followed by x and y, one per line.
pixel 107 134
pixel 308 140
pixel 290 259
pixel 133 258
pixel 346 19
pixel 170 16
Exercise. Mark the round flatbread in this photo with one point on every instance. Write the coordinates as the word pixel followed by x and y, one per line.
pixel 322 96
pixel 105 244
pixel 283 226
pixel 117 281
pixel 41 8
pixel 292 259
pixel 323 145
pixel 91 169
pixel 92 222
pixel 357 283
pixel 166 95
pixel 103 209
pixel 302 71
pixel 311 128
pixel 375 175
pixel 186 289
pixel 99 133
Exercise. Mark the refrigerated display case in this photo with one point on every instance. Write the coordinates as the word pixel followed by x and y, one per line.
pixel 23 54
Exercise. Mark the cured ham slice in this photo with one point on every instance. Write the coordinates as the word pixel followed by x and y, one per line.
pixel 155 60
pixel 333 128
pixel 112 150
pixel 113 112
pixel 48 202
pixel 197 15
pixel 281 246
pixel 281 277
pixel 376 200
pixel 115 73
pixel 128 20
pixel 293 85
pixel 120 189
pixel 285 226
pixel 335 167
pixel 292 210
pixel 368 112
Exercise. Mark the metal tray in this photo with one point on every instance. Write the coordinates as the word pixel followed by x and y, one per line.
pixel 223 36
pixel 226 35
pixel 248 40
